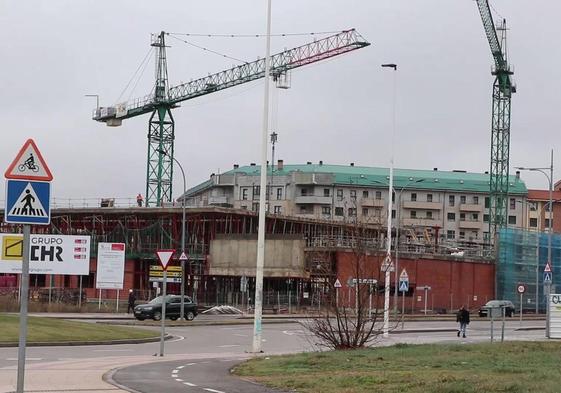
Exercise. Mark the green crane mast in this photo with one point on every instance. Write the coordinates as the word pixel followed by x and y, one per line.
pixel 503 88
pixel 161 125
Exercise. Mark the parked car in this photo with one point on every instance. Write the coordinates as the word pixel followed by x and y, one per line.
pixel 153 309
pixel 507 304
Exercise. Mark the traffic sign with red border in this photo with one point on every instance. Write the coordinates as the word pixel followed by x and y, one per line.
pixel 29 164
pixel 164 256
pixel 521 288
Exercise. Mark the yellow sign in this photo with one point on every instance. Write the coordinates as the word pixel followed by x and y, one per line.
pixel 12 248
pixel 161 274
pixel 157 268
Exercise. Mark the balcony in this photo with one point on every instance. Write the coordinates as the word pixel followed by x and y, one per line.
pixel 422 222
pixel 313 200
pixel 470 207
pixel 313 178
pixel 421 205
pixel 371 202
pixel 219 200
pixel 465 224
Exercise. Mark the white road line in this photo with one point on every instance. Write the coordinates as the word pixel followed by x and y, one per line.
pixel 25 358
pixel 214 391
pixel 241 335
pixel 180 367
pixel 179 338
pixel 178 379
pixel 189 384
pixel 190 364
pixel 229 346
pixel 175 371
pixel 112 350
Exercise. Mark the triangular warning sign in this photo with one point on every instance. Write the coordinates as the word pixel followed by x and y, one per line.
pixel 183 257
pixel 29 164
pixel 337 284
pixel 164 256
pixel 404 275
pixel 28 204
pixel 547 268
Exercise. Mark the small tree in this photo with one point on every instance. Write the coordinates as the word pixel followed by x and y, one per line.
pixel 349 321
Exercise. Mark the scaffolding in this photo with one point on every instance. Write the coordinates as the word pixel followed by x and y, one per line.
pixel 522 256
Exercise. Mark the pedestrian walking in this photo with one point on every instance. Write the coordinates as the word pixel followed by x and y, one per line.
pixel 463 318
pixel 132 301
pixel 139 200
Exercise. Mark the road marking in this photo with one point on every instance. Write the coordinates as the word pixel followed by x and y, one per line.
pixel 179 338
pixel 180 367
pixel 25 358
pixel 112 350
pixel 241 335
pixel 190 364
pixel 229 346
pixel 175 371
pixel 178 379
pixel 214 391
pixel 189 384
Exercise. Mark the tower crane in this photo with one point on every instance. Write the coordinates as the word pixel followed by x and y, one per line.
pixel 159 104
pixel 503 88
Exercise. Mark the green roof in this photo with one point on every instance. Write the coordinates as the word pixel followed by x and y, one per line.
pixel 373 177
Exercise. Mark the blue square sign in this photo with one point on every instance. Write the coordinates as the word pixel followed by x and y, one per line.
pixel 28 202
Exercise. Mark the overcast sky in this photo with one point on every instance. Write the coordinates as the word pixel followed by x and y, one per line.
pixel 339 111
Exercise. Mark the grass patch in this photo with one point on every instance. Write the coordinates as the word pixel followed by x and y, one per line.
pixel 510 367
pixel 53 329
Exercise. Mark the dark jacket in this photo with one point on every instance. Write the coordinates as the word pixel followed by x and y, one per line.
pixel 462 316
pixel 132 298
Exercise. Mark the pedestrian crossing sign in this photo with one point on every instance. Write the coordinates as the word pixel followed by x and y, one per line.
pixel 403 286
pixel 28 202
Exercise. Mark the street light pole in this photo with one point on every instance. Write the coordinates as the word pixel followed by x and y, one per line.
pixel 389 234
pixel 550 226
pixel 183 234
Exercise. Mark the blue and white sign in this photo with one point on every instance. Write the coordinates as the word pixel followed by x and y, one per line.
pixel 28 202
pixel 404 281
pixel 547 277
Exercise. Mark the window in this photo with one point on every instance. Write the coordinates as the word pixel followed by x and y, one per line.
pixel 474 216
pixel 462 235
pixel 476 200
pixel 512 203
pixel 534 222
pixel 512 220
pixel 429 215
pixel 485 218
pixel 326 192
pixel 533 206
pixel 255 206
pixel 486 236
pixel 462 199
pixel 462 216
pixel 304 192
pixel 277 209
pixel 256 190
pixel 326 210
pixel 546 206
pixel 352 212
pixel 353 194
pixel 413 197
pixel 451 216
pixel 279 193
pixel 340 195
pixel 244 207
pixel 378 195
pixel 244 194
pixel 339 211
pixel 451 200
pixel 393 213
pixel 450 235
pixel 413 214
pixel 487 202
pixel 546 224
pixel 429 197
pixel 365 211
pixel 365 194
pixel 393 197
pixel 474 235
pixel 306 209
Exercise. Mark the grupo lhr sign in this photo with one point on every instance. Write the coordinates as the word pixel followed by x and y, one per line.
pixel 48 254
pixel 555 316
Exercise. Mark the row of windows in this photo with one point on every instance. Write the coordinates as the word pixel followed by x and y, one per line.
pixel 472 235
pixel 256 190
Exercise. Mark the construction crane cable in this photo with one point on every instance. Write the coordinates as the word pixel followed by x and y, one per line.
pixel 495 11
pixel 139 77
pixel 207 49
pixel 141 65
pixel 256 35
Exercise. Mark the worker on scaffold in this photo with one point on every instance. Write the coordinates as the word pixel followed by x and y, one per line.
pixel 139 200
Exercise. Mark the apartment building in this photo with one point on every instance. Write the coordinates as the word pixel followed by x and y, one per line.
pixel 452 205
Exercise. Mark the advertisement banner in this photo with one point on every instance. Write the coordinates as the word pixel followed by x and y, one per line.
pixel 48 254
pixel 110 266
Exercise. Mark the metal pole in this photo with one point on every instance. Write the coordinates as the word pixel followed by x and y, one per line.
pixel 117 307
pixel 163 321
pixel 549 238
pixel 503 324
pixel 99 302
pixel 402 310
pixel 492 328
pixel 257 327
pixel 426 295
pixel 521 295
pixel 183 234
pixel 23 309
pixel 80 293
pixel 398 219
pixel 369 300
pixel 50 287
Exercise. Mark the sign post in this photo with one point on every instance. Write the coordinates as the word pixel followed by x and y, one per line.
pixel 27 202
pixel 337 285
pixel 164 256
pixel 521 288
pixel 110 267
pixel 403 287
pixel 426 288
pixel 547 278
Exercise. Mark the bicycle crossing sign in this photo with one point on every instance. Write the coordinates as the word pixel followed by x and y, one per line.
pixel 28 202
pixel 29 164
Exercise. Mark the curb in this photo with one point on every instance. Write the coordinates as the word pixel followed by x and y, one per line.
pixel 108 377
pixel 82 343
pixel 199 323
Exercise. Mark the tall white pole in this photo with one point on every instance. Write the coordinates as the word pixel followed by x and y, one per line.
pixel 389 234
pixel 23 309
pixel 257 328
